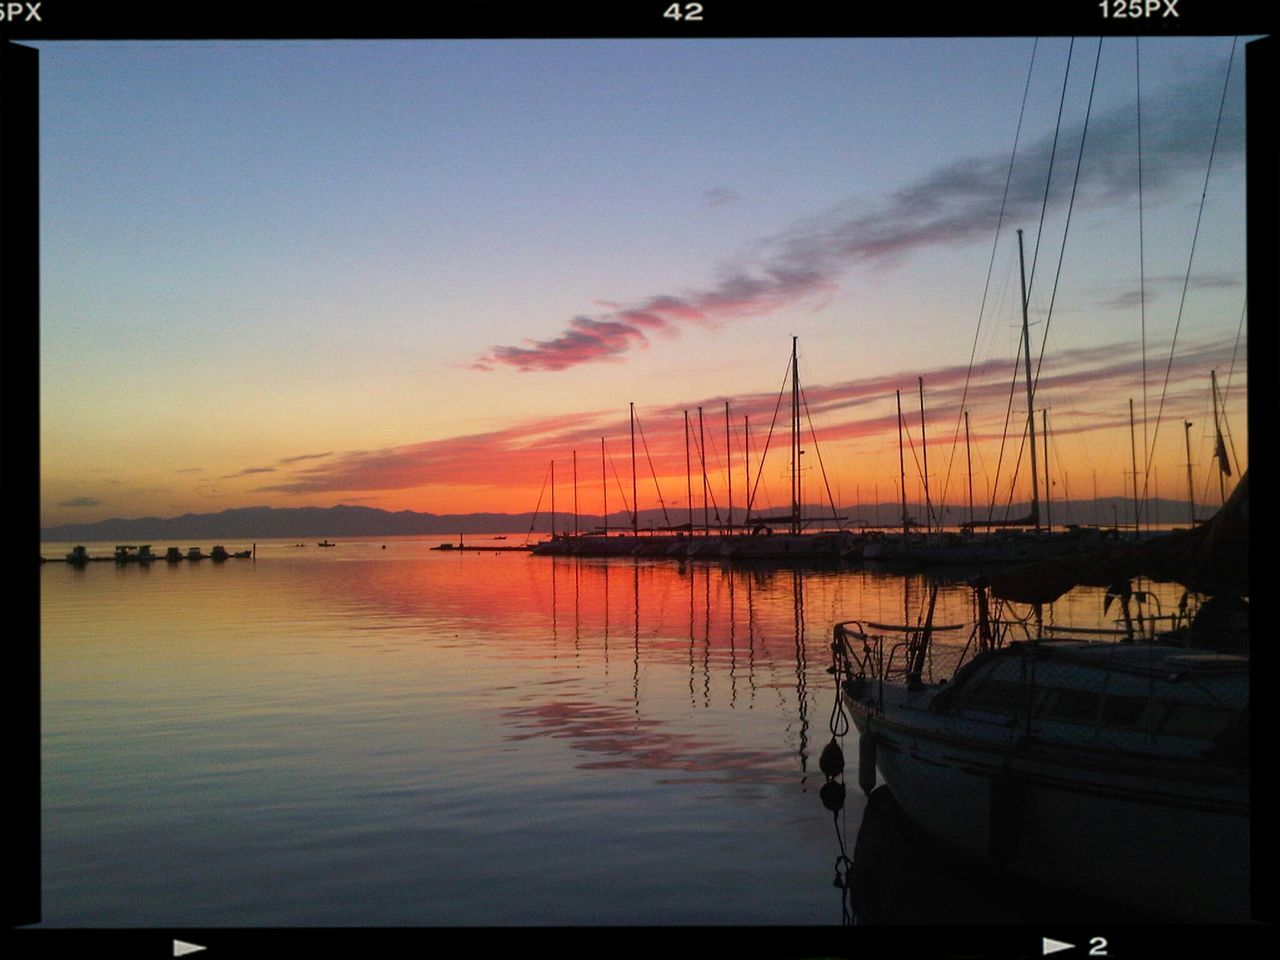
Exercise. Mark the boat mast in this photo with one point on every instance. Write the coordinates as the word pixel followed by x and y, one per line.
pixel 746 466
pixel 553 499
pixel 1048 484
pixel 575 493
pixel 795 439
pixel 1031 418
pixel 1191 490
pixel 635 503
pixel 604 487
pixel 702 453
pixel 728 465
pixel 928 503
pixel 968 455
pixel 688 473
pixel 1133 455
pixel 902 467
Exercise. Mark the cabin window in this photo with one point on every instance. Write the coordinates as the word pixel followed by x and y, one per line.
pixel 1195 720
pixel 998 696
pixel 1077 706
pixel 1120 711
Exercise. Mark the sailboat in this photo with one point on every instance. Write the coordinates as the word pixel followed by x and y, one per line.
pixel 785 537
pixel 1007 541
pixel 1115 770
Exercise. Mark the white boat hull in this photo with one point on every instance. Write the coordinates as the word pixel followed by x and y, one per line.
pixel 1168 838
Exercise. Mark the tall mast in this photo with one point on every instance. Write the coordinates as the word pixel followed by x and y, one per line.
pixel 1133 455
pixel 575 493
pixel 604 487
pixel 795 439
pixel 928 503
pixel 728 464
pixel 702 453
pixel 746 466
pixel 1191 490
pixel 902 467
pixel 968 454
pixel 635 503
pixel 1048 484
pixel 1031 417
pixel 553 499
pixel 688 472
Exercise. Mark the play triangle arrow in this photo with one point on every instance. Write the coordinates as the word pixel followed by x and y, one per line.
pixel 181 948
pixel 1053 946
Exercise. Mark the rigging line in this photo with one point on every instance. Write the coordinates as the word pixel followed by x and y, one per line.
pixel 666 519
pixel 1071 203
pixel 618 480
pixel 534 521
pixel 711 493
pixel 772 423
pixel 1048 180
pixel 919 469
pixel 818 450
pixel 986 287
pixel 1186 282
pixel 1004 437
pixel 1227 387
pixel 1142 262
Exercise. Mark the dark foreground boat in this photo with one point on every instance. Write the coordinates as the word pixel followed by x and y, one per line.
pixel 1116 770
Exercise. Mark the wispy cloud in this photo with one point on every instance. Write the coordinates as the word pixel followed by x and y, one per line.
pixel 249 471
pixel 304 456
pixel 957 203
pixel 719 197
pixel 516 456
pixel 81 502
pixel 1159 287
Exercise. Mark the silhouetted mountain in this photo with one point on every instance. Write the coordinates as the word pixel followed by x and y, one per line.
pixel 250 523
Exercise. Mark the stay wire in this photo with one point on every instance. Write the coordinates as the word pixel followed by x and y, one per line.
pixel 1186 282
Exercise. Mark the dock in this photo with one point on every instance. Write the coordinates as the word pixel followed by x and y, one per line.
pixel 127 553
pixel 461 548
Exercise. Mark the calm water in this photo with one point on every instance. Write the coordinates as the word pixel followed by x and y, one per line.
pixel 368 736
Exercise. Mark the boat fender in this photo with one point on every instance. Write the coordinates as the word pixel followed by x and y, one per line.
pixel 832 795
pixel 831 761
pixel 867 763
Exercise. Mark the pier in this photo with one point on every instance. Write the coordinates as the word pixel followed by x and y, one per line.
pixel 127 553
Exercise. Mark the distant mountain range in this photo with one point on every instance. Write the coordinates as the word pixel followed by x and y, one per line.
pixel 262 523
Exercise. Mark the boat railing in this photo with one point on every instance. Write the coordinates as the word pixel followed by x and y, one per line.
pixel 875 652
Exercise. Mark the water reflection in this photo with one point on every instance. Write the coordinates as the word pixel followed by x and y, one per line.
pixel 439 694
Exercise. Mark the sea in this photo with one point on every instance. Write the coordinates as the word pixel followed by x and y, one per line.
pixel 382 734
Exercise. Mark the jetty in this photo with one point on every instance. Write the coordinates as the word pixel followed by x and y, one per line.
pixel 128 553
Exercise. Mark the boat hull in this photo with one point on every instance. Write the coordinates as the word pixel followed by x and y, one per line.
pixel 1170 839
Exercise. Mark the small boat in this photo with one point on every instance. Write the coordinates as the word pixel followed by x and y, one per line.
pixel 326 543
pixel 79 556
pixel 195 554
pixel 219 554
pixel 173 555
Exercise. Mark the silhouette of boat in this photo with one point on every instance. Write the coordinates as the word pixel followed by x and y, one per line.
pixel 1113 769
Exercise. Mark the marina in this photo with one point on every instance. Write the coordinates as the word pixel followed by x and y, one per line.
pixel 950 659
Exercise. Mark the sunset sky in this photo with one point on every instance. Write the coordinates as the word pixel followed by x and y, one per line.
pixel 409 275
